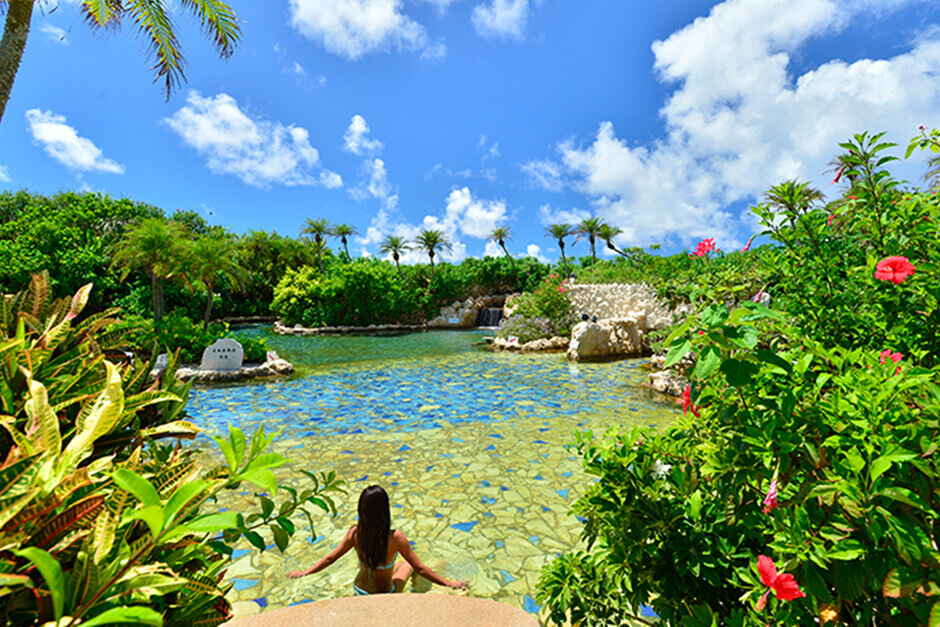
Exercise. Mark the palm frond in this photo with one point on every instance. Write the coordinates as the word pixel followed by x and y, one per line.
pixel 219 22
pixel 153 20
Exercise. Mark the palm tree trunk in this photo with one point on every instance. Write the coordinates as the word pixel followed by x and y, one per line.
pixel 431 256
pixel 210 299
pixel 346 248
pixel 156 286
pixel 564 260
pixel 15 33
pixel 593 254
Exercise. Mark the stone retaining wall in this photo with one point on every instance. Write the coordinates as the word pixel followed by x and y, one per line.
pixel 619 300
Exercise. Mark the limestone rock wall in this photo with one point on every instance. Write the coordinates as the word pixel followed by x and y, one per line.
pixel 620 300
pixel 461 315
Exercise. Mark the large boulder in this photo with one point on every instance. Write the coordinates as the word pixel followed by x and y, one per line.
pixel 611 337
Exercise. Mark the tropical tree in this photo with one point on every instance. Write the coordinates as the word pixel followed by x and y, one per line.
pixel 608 233
pixel 154 245
pixel 432 240
pixel 792 199
pixel 394 246
pixel 210 257
pixel 499 235
pixel 319 228
pixel 154 23
pixel 591 228
pixel 342 231
pixel 560 232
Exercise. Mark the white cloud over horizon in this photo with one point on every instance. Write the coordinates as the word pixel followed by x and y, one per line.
pixel 63 143
pixel 355 28
pixel 738 121
pixel 258 152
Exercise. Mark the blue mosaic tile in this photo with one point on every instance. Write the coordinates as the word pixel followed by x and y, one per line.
pixel 428 469
pixel 530 605
pixel 507 578
pixel 545 509
pixel 446 455
pixel 567 474
pixel 504 488
pixel 563 493
pixel 490 448
pixel 544 429
pixel 496 435
pixel 244 584
pixel 536 442
pixel 499 544
pixel 534 540
pixel 239 553
pixel 404 447
pixel 363 478
pixel 485 483
pixel 465 526
pixel 489 514
pixel 263 602
pixel 537 477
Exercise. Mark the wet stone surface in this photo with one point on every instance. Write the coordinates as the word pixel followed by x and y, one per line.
pixel 470 445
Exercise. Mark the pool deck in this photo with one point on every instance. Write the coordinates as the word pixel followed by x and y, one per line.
pixel 391 610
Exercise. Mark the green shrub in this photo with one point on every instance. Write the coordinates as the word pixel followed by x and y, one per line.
pixel 176 332
pixel 524 328
pixel 550 301
pixel 100 521
pixel 809 437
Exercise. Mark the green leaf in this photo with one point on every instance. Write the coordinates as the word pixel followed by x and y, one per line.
pixel 152 515
pixel 708 362
pixel 695 505
pixel 212 523
pixel 138 486
pixel 934 620
pixel 266 460
pixel 905 496
pixel 7 579
pixel 131 615
pixel 181 496
pixel 237 437
pixel 263 478
pixel 743 336
pixel 286 524
pixel 900 582
pixel 677 350
pixel 281 539
pixel 51 571
pixel 256 540
pixel 267 507
pixel 228 452
pixel 846 550
pixel 772 358
pixel 714 315
pixel 738 372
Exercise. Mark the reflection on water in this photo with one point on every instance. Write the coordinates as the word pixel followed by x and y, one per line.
pixel 471 446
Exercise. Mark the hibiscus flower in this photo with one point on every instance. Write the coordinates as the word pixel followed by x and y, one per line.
pixel 704 247
pixel 783 586
pixel 894 269
pixel 770 501
pixel 686 402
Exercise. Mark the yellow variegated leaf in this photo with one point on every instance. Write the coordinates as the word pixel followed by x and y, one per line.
pixel 42 420
pixel 104 414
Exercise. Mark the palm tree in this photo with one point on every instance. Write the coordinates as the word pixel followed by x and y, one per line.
pixel 608 233
pixel 560 232
pixel 395 246
pixel 154 245
pixel 154 22
pixel 499 235
pixel 592 228
pixel 342 231
pixel 319 228
pixel 210 257
pixel 431 240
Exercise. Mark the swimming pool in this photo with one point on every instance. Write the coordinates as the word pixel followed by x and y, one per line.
pixel 469 444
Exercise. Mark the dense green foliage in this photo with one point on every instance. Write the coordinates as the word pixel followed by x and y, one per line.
pixel 810 436
pixel 542 313
pixel 178 334
pixel 100 521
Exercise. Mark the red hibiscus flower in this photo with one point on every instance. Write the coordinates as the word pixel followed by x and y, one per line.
pixel 894 269
pixel 784 586
pixel 770 501
pixel 894 357
pixel 747 246
pixel 686 402
pixel 829 221
pixel 704 247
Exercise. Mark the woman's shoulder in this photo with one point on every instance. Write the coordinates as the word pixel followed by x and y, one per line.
pixel 398 537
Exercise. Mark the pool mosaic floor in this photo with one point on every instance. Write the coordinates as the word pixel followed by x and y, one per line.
pixel 470 445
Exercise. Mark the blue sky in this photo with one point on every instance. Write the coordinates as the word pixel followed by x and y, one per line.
pixel 665 119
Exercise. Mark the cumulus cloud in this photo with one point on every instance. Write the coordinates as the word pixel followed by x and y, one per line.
pixel 357 139
pixel 534 250
pixel 257 151
pixel 54 33
pixel 355 28
pixel 502 19
pixel 4 175
pixel 738 121
pixel 63 144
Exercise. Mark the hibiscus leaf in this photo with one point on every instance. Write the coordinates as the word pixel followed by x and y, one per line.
pixel 677 350
pixel 708 362
pixel 905 496
pixel 714 315
pixel 738 372
pixel 934 620
pixel 900 582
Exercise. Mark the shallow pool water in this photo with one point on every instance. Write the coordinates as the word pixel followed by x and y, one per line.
pixel 470 445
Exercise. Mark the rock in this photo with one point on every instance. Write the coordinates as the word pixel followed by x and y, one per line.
pixel 668 382
pixel 224 354
pixel 270 368
pixel 551 344
pixel 610 337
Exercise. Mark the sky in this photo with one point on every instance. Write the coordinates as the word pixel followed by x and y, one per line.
pixel 666 119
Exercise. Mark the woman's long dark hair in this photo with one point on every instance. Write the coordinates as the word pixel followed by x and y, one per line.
pixel 374 525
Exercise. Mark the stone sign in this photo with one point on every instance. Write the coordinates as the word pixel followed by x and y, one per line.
pixel 225 354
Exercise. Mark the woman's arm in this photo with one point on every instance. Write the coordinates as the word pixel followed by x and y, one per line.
pixel 404 548
pixel 340 550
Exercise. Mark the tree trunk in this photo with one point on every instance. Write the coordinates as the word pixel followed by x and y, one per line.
pixel 210 299
pixel 564 260
pixel 346 248
pixel 593 254
pixel 15 33
pixel 156 286
pixel 431 256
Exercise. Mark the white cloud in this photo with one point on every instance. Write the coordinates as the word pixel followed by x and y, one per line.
pixel 548 216
pixel 492 249
pixel 298 69
pixel 354 28
pixel 534 250
pixel 54 33
pixel 258 152
pixel 357 138
pixel 471 216
pixel 501 19
pixel 63 144
pixel 441 5
pixel 4 175
pixel 374 184
pixel 739 122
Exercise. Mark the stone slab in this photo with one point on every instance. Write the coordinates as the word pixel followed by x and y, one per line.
pixel 393 610
pixel 225 354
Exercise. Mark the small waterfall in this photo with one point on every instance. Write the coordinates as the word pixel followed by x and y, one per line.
pixel 489 317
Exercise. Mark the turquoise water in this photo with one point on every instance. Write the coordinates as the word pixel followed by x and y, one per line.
pixel 470 444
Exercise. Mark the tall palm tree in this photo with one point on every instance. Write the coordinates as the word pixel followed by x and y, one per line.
pixel 590 227
pixel 319 228
pixel 499 235
pixel 154 23
pixel 608 233
pixel 155 245
pixel 342 231
pixel 432 240
pixel 210 257
pixel 395 246
pixel 560 232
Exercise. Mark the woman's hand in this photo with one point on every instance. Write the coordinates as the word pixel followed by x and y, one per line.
pixel 296 574
pixel 459 585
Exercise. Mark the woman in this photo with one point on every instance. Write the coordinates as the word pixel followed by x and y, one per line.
pixel 377 546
